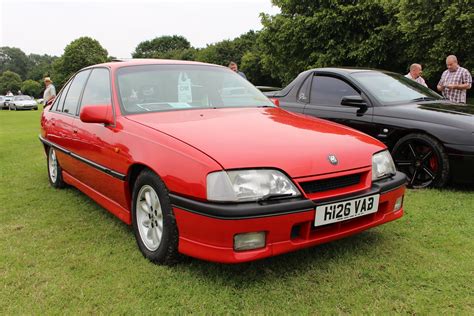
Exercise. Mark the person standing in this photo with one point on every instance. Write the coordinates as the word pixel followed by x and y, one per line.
pixel 49 91
pixel 233 66
pixel 455 81
pixel 415 74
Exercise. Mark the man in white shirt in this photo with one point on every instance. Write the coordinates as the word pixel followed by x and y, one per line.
pixel 415 74
pixel 49 92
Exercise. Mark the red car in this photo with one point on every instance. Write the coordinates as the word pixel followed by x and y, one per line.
pixel 201 163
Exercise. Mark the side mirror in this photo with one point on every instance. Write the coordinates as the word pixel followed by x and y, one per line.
pixel 97 113
pixel 354 100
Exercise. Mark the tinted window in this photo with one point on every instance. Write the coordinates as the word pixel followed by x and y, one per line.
pixel 59 101
pixel 329 91
pixel 97 89
pixel 74 93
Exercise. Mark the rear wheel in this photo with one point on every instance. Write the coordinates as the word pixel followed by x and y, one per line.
pixel 423 159
pixel 153 221
pixel 54 170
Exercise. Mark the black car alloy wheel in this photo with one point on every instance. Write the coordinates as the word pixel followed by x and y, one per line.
pixel 423 160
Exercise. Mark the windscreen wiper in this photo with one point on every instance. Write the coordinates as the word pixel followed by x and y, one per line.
pixel 423 99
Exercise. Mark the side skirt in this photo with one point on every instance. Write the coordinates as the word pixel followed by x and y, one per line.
pixel 111 206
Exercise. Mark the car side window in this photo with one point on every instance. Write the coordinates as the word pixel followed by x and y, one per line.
pixel 303 91
pixel 59 101
pixel 97 90
pixel 330 91
pixel 74 93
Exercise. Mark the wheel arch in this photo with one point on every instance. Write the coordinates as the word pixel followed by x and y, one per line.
pixel 396 136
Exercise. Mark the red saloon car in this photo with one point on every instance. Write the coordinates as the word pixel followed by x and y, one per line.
pixel 201 163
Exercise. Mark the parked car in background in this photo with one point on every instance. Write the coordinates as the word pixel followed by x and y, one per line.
pixel 200 162
pixel 431 139
pixel 22 102
pixel 2 102
pixel 6 100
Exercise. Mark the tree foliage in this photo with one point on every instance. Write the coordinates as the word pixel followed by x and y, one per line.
pixel 81 53
pixel 9 81
pixel 433 30
pixel 313 34
pixel 31 87
pixel 39 66
pixel 13 59
pixel 161 47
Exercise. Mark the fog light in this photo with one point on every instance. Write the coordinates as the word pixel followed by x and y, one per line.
pixel 398 204
pixel 248 241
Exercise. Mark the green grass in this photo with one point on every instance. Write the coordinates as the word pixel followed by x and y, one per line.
pixel 62 253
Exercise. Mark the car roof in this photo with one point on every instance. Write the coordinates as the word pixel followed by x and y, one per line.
pixel 348 70
pixel 118 63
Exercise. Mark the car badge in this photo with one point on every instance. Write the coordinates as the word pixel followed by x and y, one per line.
pixel 332 159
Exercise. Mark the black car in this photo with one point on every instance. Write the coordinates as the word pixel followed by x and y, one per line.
pixel 431 139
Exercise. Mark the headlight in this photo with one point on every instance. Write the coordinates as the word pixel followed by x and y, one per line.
pixel 382 165
pixel 248 185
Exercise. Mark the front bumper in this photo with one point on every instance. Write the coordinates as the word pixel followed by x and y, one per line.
pixel 207 230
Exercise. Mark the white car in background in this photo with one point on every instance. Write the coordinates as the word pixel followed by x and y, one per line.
pixel 2 102
pixel 22 102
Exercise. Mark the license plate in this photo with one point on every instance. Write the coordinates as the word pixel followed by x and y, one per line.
pixel 342 211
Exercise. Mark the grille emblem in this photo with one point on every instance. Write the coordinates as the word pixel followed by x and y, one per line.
pixel 332 159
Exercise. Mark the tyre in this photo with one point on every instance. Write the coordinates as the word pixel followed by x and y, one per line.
pixel 55 175
pixel 153 221
pixel 423 159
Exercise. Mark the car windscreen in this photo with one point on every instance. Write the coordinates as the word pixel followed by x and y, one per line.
pixel 155 88
pixel 21 98
pixel 390 88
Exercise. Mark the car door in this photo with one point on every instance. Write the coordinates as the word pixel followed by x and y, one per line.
pixel 60 129
pixel 325 96
pixel 95 143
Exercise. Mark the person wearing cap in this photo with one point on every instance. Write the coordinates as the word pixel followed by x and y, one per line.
pixel 49 91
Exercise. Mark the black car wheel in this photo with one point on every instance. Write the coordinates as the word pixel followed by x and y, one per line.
pixel 153 221
pixel 423 159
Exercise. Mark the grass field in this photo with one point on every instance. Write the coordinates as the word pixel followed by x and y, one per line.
pixel 62 253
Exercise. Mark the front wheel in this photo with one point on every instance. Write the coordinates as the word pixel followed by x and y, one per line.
pixel 153 221
pixel 55 174
pixel 423 159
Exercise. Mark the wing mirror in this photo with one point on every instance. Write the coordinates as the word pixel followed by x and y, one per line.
pixel 354 100
pixel 97 113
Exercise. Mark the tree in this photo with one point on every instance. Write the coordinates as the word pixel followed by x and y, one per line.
pixel 80 53
pixel 309 34
pixel 40 66
pixel 223 52
pixel 161 47
pixel 13 59
pixel 10 81
pixel 436 29
pixel 31 87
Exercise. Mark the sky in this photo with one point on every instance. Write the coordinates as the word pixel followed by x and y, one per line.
pixel 47 26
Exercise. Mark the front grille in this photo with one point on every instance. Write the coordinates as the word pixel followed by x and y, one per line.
pixel 331 183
